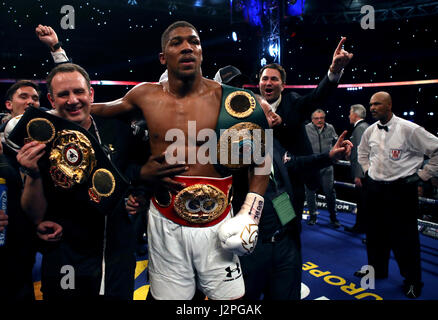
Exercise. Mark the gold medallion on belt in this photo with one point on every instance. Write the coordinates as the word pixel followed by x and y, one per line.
pixel 103 185
pixel 200 203
pixel 236 145
pixel 72 159
pixel 240 104
pixel 41 130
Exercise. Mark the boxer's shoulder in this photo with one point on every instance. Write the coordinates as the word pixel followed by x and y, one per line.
pixel 145 87
pixel 213 87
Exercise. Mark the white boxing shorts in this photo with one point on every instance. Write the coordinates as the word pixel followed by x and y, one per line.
pixel 182 258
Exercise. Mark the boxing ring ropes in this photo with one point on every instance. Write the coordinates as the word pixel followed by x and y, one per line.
pixel 427 228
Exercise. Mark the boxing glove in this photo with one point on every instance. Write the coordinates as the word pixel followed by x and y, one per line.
pixel 239 234
pixel 8 129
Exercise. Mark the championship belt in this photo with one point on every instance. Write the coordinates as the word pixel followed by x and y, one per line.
pixel 240 129
pixel 76 163
pixel 203 203
pixel 72 158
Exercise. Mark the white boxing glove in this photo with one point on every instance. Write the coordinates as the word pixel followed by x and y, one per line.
pixel 239 234
pixel 8 129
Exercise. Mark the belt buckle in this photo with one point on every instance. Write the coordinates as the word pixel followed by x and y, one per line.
pixel 200 203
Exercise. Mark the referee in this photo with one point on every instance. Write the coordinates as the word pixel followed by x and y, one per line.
pixel 391 152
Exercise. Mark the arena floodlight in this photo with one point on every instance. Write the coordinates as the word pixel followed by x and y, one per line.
pixel 273 50
pixel 234 36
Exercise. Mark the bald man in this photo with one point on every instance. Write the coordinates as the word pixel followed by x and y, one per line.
pixel 391 154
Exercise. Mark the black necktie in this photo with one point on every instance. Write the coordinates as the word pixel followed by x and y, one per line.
pixel 382 127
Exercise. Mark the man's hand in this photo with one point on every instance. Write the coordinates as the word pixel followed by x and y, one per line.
pixel 49 231
pixel 276 119
pixel 358 182
pixel 342 148
pixel 340 58
pixel 135 204
pixel 156 170
pixel 29 155
pixel 47 35
pixel 3 220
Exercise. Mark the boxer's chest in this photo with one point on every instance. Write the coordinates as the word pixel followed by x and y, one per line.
pixel 189 116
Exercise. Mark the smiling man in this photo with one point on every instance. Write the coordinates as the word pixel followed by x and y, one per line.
pixel 99 249
pixel 72 96
pixel 196 259
pixel 20 95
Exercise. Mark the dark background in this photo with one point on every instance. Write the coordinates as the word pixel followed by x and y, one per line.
pixel 114 40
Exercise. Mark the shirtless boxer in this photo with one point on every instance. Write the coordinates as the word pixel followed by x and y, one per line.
pixel 184 252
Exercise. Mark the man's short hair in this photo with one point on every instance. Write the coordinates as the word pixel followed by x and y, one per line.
pixel 173 26
pixel 318 111
pixel 67 67
pixel 19 84
pixel 275 66
pixel 360 110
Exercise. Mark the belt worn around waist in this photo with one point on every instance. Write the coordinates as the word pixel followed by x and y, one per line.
pixel 204 202
pixel 405 180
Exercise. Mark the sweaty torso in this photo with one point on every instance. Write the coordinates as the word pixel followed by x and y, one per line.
pixel 166 113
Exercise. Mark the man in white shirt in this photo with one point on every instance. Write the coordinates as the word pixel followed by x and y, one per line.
pixel 391 153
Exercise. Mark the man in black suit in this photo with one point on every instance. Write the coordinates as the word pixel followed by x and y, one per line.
pixel 294 110
pixel 101 249
pixel 357 116
pixel 274 267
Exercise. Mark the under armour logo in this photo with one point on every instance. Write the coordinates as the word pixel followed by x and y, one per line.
pixel 230 271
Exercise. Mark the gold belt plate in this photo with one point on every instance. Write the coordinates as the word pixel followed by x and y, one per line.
pixel 240 104
pixel 200 203
pixel 72 159
pixel 239 141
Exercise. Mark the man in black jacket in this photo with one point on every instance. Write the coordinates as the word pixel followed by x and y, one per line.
pixel 357 120
pixel 18 255
pixel 100 249
pixel 294 110
pixel 274 268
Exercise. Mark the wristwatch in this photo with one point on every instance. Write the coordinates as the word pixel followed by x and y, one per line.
pixel 56 46
pixel 31 173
